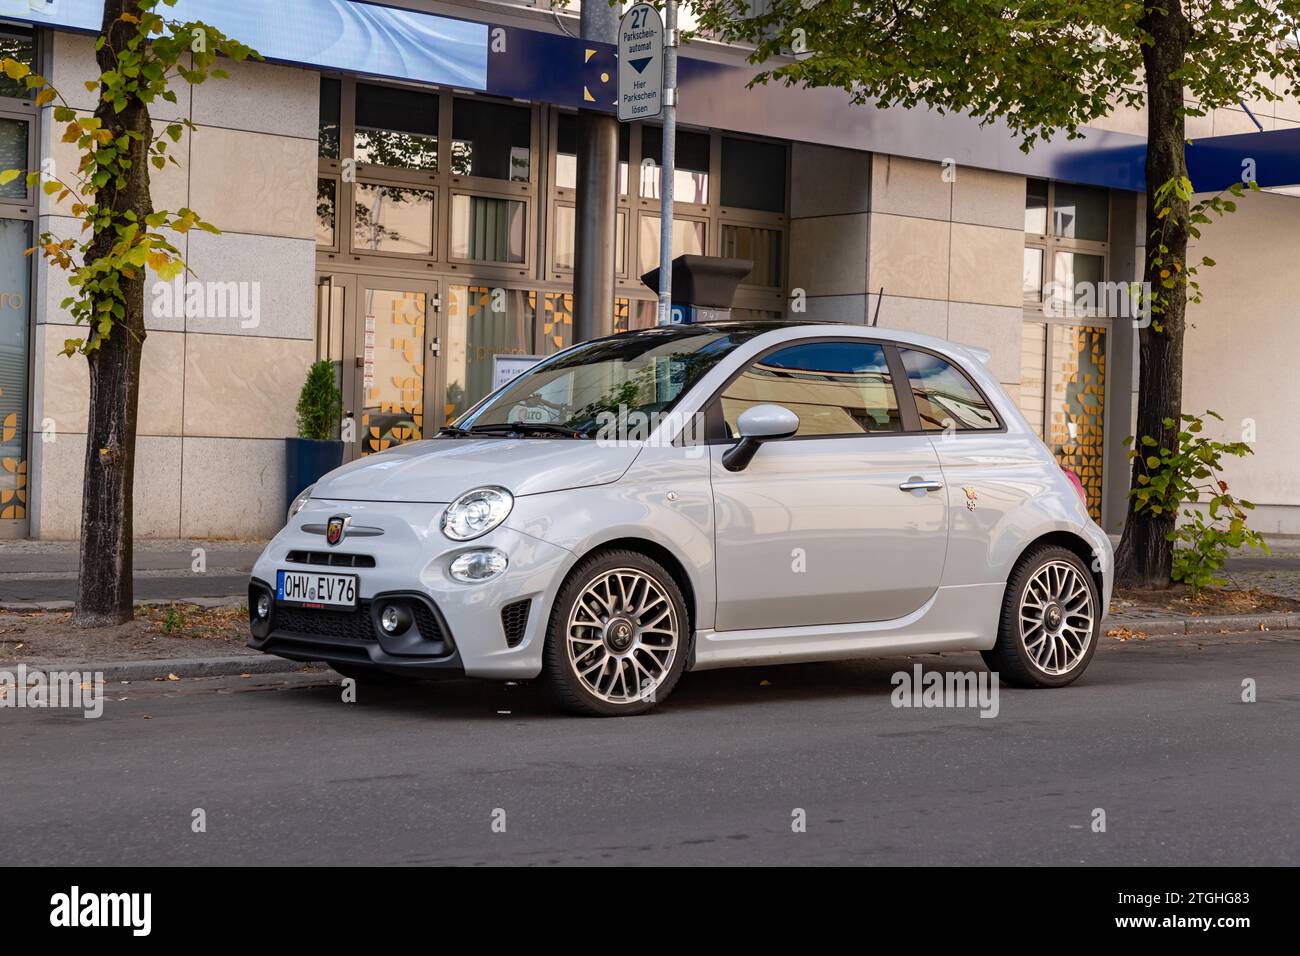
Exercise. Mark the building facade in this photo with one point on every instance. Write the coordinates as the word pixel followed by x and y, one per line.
pixel 410 222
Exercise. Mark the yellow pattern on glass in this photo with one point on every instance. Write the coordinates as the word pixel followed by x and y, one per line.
pixel 1078 399
pixel 393 363
pixel 13 478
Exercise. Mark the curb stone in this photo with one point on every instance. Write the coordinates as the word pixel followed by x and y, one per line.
pixel 232 601
pixel 183 668
pixel 1224 624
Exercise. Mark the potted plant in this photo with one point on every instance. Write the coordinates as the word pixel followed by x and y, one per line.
pixel 316 450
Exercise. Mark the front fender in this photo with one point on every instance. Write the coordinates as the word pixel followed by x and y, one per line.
pixel 664 498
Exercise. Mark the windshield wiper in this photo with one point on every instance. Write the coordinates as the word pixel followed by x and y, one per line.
pixel 526 428
pixel 453 431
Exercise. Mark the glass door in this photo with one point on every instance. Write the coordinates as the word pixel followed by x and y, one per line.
pixel 397 342
pixel 1063 396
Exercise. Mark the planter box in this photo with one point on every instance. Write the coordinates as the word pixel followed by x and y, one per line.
pixel 305 461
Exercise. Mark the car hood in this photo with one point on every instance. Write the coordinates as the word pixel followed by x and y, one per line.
pixel 440 469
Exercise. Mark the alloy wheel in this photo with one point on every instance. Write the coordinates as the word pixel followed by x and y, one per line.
pixel 1056 617
pixel 622 636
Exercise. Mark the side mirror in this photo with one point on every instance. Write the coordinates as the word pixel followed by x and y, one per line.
pixel 759 424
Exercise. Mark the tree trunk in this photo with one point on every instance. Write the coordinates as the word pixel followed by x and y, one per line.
pixel 1145 554
pixel 104 594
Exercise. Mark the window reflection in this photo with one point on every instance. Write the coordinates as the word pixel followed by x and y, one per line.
pixel 397 128
pixel 13 155
pixel 688 239
pixel 565 226
pixel 691 174
pixel 328 128
pixel 566 153
pixel 1081 212
pixel 326 211
pixel 491 140
pixel 945 397
pixel 836 388
pixel 393 219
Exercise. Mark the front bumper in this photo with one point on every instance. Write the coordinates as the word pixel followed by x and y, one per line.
pixel 493 629
pixel 355 637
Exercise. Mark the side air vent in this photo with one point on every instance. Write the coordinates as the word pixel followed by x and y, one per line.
pixel 514 619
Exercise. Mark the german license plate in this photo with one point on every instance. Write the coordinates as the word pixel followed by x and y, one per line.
pixel 310 589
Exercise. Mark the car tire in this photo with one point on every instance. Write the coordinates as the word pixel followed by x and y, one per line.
pixel 618 636
pixel 1050 623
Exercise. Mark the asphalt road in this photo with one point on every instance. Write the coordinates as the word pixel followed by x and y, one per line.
pixel 1156 735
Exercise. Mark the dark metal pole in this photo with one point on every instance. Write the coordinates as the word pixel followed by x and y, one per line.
pixel 593 259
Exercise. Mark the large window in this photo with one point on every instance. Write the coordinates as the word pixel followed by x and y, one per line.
pixel 17 212
pixel 412 174
pixel 448 183
pixel 1068 313
pixel 730 200
pixel 836 388
pixel 1066 244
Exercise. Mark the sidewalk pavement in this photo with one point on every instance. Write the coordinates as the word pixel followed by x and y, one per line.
pixel 42 575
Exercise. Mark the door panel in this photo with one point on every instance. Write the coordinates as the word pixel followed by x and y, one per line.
pixel 817 531
pixel 396 323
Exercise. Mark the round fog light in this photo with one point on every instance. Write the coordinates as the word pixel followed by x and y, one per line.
pixel 475 566
pixel 394 619
pixel 263 605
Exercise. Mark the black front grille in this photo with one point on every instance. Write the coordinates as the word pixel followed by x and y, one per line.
pixel 348 625
pixel 427 622
pixel 331 559
pixel 514 618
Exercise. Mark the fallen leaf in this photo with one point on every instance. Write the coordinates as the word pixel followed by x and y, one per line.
pixel 172 677
pixel 245 675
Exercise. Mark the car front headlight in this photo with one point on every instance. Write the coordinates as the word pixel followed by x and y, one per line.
pixel 476 512
pixel 300 502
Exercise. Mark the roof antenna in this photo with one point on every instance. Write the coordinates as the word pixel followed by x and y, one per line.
pixel 880 297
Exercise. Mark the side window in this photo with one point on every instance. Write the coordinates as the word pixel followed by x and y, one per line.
pixel 945 397
pixel 836 388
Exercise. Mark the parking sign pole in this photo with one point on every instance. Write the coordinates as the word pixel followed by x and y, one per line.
pixel 668 164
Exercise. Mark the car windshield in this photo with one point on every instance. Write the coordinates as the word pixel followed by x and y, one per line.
pixel 623 382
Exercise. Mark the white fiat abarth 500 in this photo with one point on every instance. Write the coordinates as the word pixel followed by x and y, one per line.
pixel 692 497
